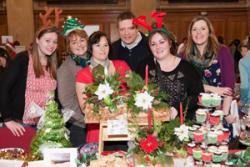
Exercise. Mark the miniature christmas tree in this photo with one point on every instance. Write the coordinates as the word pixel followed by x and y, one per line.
pixel 53 132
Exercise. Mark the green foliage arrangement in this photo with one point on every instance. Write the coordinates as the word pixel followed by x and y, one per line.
pixel 110 83
pixel 137 85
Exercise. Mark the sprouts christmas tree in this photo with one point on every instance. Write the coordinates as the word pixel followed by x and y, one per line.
pixel 53 132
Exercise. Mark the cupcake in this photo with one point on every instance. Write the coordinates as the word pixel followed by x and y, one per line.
pixel 190 132
pixel 211 137
pixel 226 134
pixel 207 165
pixel 198 136
pixel 220 113
pixel 216 100
pixel 214 118
pixel 190 148
pixel 205 99
pixel 229 163
pixel 197 154
pixel 201 115
pixel 206 156
pixel 220 136
pixel 224 150
pixel 212 149
pixel 217 156
pixel 199 164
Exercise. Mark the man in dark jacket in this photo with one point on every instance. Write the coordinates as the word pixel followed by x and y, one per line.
pixel 132 46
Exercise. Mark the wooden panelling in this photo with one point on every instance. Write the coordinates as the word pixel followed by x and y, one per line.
pixel 3 24
pixel 230 21
pixel 105 19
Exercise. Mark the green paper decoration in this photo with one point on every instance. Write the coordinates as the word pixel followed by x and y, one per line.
pixel 53 133
pixel 71 24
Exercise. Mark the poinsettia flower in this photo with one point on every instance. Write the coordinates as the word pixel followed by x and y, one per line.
pixel 182 132
pixel 144 100
pixel 149 145
pixel 103 91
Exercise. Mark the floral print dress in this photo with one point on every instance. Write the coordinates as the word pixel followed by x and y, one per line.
pixel 212 74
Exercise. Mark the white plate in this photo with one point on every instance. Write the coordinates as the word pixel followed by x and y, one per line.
pixel 245 143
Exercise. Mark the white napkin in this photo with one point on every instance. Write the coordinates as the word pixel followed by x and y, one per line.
pixel 234 111
pixel 35 110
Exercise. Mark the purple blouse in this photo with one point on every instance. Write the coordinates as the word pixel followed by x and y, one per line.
pixel 227 67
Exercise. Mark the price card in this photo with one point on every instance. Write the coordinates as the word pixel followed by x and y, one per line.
pixel 117 127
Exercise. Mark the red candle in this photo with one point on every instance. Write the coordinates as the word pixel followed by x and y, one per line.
pixel 181 114
pixel 149 119
pixel 146 76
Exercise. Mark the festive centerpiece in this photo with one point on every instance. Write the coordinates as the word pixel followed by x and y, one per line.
pixel 107 98
pixel 143 95
pixel 53 132
pixel 160 144
pixel 104 99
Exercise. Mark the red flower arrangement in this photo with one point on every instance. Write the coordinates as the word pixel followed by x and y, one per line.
pixel 149 145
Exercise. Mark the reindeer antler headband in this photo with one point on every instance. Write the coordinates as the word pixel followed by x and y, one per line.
pixel 46 20
pixel 158 26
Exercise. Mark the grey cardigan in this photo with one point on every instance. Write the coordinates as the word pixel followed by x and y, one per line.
pixel 66 77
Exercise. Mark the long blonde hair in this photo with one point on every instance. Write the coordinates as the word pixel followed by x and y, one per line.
pixel 212 45
pixel 52 60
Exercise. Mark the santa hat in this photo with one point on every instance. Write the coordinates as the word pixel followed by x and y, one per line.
pixel 71 24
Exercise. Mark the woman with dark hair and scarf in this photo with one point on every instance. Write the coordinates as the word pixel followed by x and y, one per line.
pixel 175 76
pixel 99 48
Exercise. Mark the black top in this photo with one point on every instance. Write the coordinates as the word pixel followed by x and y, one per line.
pixel 181 84
pixel 12 90
pixel 134 56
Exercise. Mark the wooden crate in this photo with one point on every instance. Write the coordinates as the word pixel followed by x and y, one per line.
pixel 104 115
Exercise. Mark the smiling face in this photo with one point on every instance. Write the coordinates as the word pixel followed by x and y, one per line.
pixel 127 30
pixel 160 46
pixel 100 50
pixel 200 33
pixel 47 43
pixel 78 45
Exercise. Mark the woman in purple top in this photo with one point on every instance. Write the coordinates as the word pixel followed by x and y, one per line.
pixel 212 60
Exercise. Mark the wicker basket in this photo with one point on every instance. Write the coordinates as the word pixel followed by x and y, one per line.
pixel 104 115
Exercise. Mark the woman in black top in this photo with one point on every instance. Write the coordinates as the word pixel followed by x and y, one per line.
pixel 175 76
